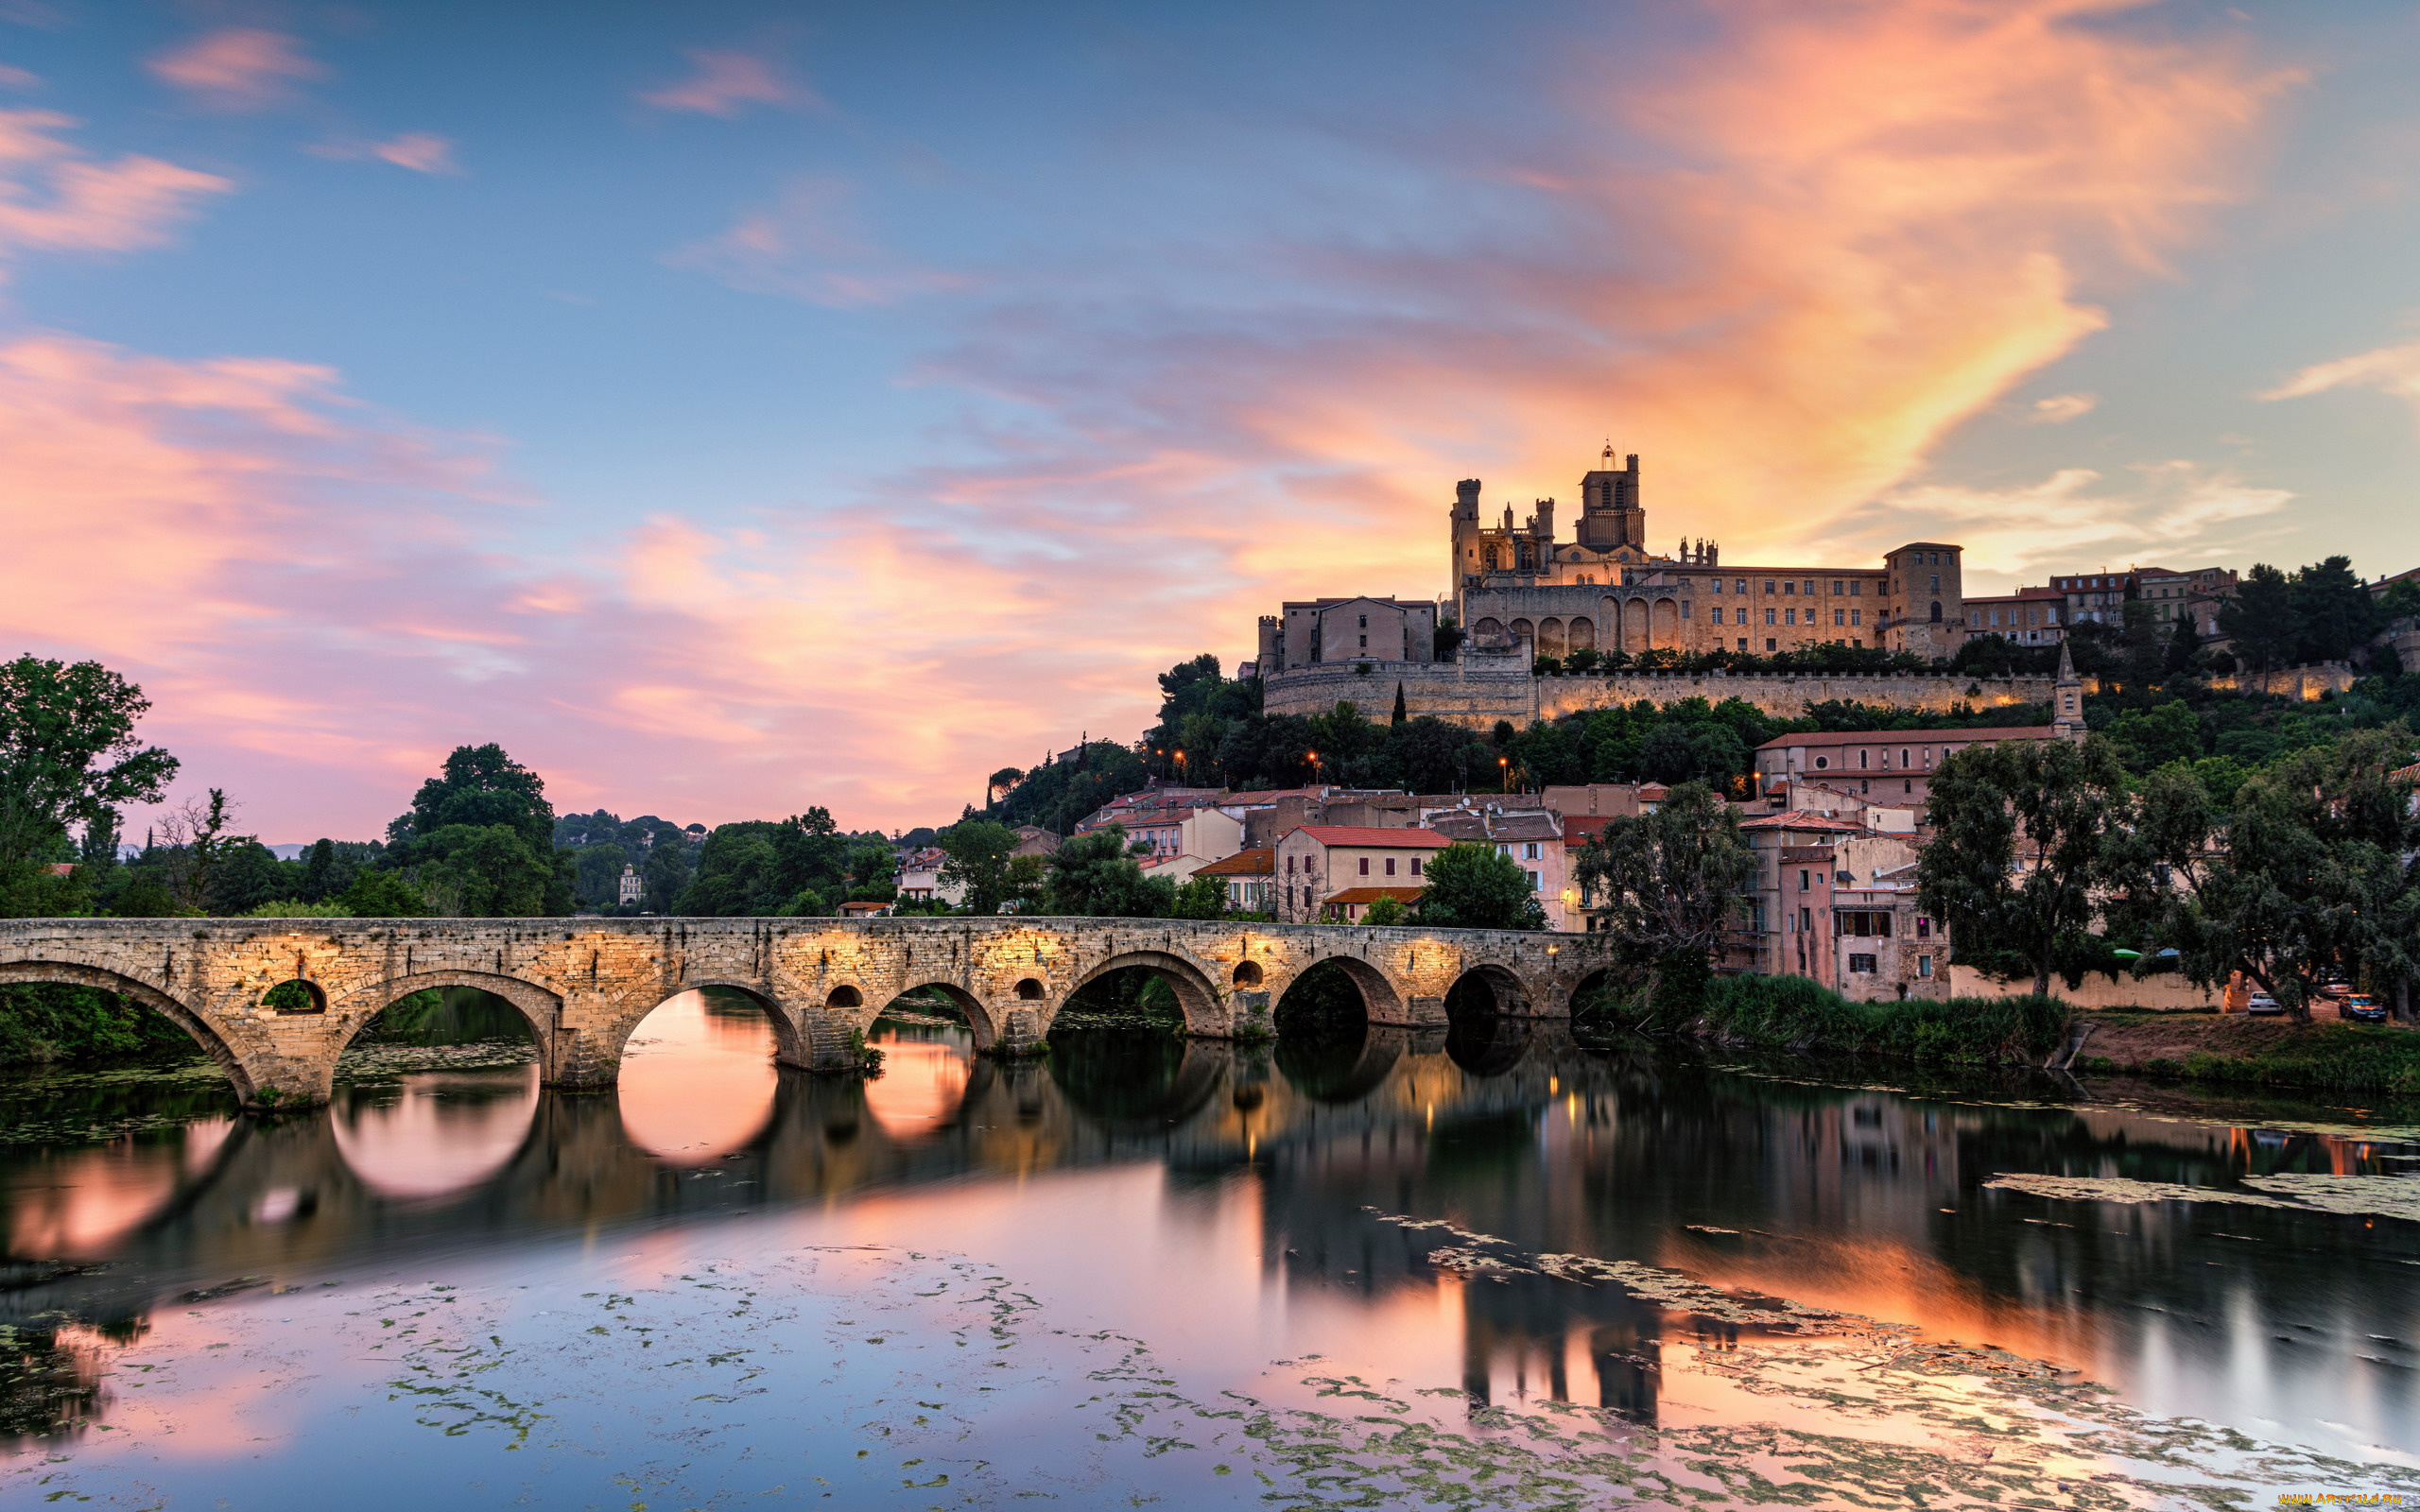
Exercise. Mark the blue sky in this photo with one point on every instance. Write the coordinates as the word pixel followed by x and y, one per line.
pixel 731 407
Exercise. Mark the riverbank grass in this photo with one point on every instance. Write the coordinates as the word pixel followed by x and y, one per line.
pixel 1793 1013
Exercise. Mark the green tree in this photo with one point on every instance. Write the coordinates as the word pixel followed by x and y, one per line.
pixel 319 871
pixel 248 875
pixel 484 871
pixel 480 786
pixel 2310 873
pixel 68 754
pixel 599 866
pixel 378 895
pixel 1472 885
pixel 1669 883
pixel 979 853
pixel 1097 874
pixel 1386 912
pixel 2022 837
pixel 2165 732
pixel 2262 619
pixel 1200 898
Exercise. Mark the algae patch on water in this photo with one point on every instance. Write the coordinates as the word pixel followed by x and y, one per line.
pixel 2384 1196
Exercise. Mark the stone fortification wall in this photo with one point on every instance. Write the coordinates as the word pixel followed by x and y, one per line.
pixel 2306 684
pixel 1479 690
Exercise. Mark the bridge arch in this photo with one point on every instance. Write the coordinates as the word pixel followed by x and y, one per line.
pixel 541 1010
pixel 71 973
pixel 1487 986
pixel 1381 1001
pixel 980 1021
pixel 611 1039
pixel 1204 1006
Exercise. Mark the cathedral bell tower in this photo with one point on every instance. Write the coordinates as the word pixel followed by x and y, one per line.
pixel 1610 514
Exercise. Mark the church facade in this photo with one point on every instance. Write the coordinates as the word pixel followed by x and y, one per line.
pixel 1605 590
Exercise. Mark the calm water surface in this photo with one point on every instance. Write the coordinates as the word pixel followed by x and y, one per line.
pixel 1148 1269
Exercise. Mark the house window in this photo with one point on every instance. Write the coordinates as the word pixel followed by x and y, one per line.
pixel 1769 616
pixel 1769 585
pixel 1740 585
pixel 1530 851
pixel 1685 607
pixel 1789 587
pixel 1717 585
pixel 1717 613
pixel 1534 883
pixel 1923 927
pixel 1789 616
pixel 1289 866
pixel 1415 866
pixel 1861 963
pixel 1810 588
pixel 1856 616
pixel 1806 880
pixel 1743 643
pixel 1390 865
pixel 1365 865
pixel 1839 616
pixel 1769 645
pixel 1923 966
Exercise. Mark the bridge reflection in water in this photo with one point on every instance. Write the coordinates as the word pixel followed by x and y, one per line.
pixel 1268 1162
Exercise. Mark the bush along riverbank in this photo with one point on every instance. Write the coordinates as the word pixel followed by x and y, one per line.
pixel 2233 1049
pixel 1794 1014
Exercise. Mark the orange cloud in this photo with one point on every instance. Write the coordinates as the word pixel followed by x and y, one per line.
pixel 238 68
pixel 53 199
pixel 2389 370
pixel 726 82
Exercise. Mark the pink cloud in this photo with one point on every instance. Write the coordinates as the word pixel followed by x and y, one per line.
pixel 53 199
pixel 1850 227
pixel 421 151
pixel 810 244
pixel 237 68
pixel 725 82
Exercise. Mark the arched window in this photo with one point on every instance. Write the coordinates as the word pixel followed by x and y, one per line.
pixel 1029 990
pixel 1936 611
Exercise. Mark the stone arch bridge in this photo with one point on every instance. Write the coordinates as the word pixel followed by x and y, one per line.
pixel 584 984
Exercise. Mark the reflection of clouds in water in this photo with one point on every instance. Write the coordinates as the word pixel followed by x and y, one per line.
pixel 64 1203
pixel 922 1082
pixel 697 1078
pixel 438 1132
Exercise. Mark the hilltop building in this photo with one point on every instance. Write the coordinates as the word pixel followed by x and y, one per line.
pixel 1606 590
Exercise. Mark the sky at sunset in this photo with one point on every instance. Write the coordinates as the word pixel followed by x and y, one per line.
pixel 734 406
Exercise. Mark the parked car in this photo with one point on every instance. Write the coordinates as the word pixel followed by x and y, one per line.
pixel 2363 1006
pixel 2263 1002
pixel 2339 990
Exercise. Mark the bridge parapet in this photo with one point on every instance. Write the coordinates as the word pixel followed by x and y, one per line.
pixel 584 984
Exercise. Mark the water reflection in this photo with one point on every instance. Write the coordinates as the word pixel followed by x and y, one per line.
pixel 435 1132
pixel 698 1079
pixel 75 1204
pixel 1266 1166
pixel 923 1077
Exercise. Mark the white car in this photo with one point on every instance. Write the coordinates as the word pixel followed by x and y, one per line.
pixel 2263 1002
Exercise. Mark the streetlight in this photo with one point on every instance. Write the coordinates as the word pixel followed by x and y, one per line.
pixel 1314 758
pixel 1504 774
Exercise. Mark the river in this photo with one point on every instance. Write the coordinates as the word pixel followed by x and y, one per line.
pixel 1371 1268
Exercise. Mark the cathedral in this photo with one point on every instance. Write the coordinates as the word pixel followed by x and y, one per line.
pixel 1514 586
pixel 1607 590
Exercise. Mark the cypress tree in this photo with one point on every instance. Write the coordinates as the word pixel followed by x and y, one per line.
pixel 1400 715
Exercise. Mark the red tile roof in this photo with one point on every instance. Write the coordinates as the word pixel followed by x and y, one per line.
pixel 1913 737
pixel 1261 861
pixel 1371 895
pixel 1797 819
pixel 1368 838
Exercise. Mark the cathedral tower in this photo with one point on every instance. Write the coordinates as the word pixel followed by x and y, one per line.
pixel 1610 514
